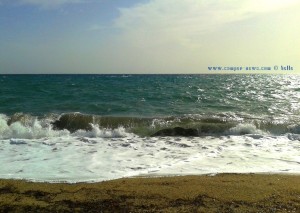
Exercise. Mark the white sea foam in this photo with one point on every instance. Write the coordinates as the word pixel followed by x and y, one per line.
pixel 75 158
pixel 98 132
pixel 242 129
pixel 33 129
pixel 37 152
pixel 37 129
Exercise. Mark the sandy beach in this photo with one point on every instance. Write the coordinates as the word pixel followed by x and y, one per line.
pixel 220 193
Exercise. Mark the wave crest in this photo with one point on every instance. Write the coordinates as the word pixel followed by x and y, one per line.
pixel 25 126
pixel 243 129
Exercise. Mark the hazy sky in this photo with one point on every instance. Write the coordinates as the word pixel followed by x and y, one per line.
pixel 147 36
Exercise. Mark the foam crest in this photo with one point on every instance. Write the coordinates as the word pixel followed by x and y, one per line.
pixel 37 129
pixel 76 124
pixel 97 132
pixel 243 129
pixel 28 130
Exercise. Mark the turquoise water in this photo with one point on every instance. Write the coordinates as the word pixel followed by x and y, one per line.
pixel 78 128
pixel 270 102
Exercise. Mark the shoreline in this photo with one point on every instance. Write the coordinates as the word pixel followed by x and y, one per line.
pixel 191 193
pixel 148 176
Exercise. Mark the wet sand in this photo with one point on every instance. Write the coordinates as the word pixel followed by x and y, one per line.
pixel 220 193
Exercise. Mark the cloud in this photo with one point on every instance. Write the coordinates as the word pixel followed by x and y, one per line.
pixel 166 35
pixel 183 20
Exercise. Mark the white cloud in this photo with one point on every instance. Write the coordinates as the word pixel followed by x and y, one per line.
pixel 184 20
pixel 180 35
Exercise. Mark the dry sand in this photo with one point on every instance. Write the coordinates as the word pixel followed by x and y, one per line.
pixel 221 193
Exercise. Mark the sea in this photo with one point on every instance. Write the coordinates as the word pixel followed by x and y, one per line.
pixel 90 128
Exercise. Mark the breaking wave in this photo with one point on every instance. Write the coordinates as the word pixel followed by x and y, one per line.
pixel 30 127
pixel 26 126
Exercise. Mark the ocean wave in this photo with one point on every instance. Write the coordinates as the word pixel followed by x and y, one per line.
pixel 30 127
pixel 243 129
pixel 27 127
pixel 22 125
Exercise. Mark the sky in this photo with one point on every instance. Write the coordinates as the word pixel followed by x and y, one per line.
pixel 148 36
